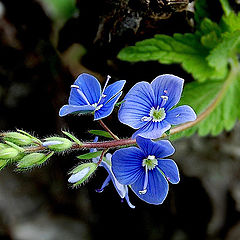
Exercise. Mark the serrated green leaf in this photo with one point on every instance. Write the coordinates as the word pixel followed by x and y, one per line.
pixel 200 95
pixel 219 56
pixel 231 22
pixel 208 26
pixel 101 133
pixel 185 49
pixel 90 155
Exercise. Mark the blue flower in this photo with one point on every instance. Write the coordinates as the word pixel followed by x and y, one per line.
pixel 145 169
pixel 147 107
pixel 86 96
pixel 106 163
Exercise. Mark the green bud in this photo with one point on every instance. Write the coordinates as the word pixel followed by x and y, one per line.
pixel 33 159
pixel 3 163
pixel 2 146
pixel 17 138
pixel 8 153
pixel 57 143
pixel 81 173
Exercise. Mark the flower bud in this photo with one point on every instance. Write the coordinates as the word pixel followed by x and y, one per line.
pixel 3 163
pixel 8 153
pixel 17 138
pixel 57 143
pixel 33 159
pixel 82 172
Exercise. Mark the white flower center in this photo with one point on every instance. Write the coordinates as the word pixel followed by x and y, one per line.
pixel 148 163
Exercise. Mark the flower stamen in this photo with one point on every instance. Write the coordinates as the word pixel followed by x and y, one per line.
pixel 149 163
pixel 81 93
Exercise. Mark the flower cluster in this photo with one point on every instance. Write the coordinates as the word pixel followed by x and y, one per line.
pixel 147 107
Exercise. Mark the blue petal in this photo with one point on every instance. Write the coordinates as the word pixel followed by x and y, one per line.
pixel 157 187
pixel 137 104
pixel 181 115
pixel 170 170
pixel 121 189
pixel 107 108
pixel 152 130
pixel 105 183
pixel 113 89
pixel 160 149
pixel 170 86
pixel 67 109
pixel 90 88
pixel 127 199
pixel 127 165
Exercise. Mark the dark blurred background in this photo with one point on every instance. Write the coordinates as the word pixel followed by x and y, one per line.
pixel 44 45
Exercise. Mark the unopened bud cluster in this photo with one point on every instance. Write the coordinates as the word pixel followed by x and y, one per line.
pixel 28 151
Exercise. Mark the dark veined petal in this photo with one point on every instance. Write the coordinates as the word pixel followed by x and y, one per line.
pixel 160 149
pixel 137 104
pixel 181 115
pixel 106 108
pixel 170 86
pixel 113 89
pixel 157 188
pixel 127 165
pixel 87 90
pixel 152 130
pixel 170 170
pixel 67 109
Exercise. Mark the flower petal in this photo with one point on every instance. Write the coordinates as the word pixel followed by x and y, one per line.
pixel 137 104
pixel 170 170
pixel 170 86
pixel 118 186
pixel 153 130
pixel 67 109
pixel 160 149
pixel 181 115
pixel 87 92
pixel 127 165
pixel 157 187
pixel 113 89
pixel 107 108
pixel 127 198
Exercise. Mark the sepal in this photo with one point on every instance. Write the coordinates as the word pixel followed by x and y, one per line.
pixel 8 153
pixel 33 159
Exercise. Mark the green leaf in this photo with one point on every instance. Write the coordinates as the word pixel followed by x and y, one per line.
pixel 181 48
pixel 200 95
pixel 72 137
pixel 201 10
pixel 90 155
pixel 101 133
pixel 226 7
pixel 219 56
pixel 231 22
